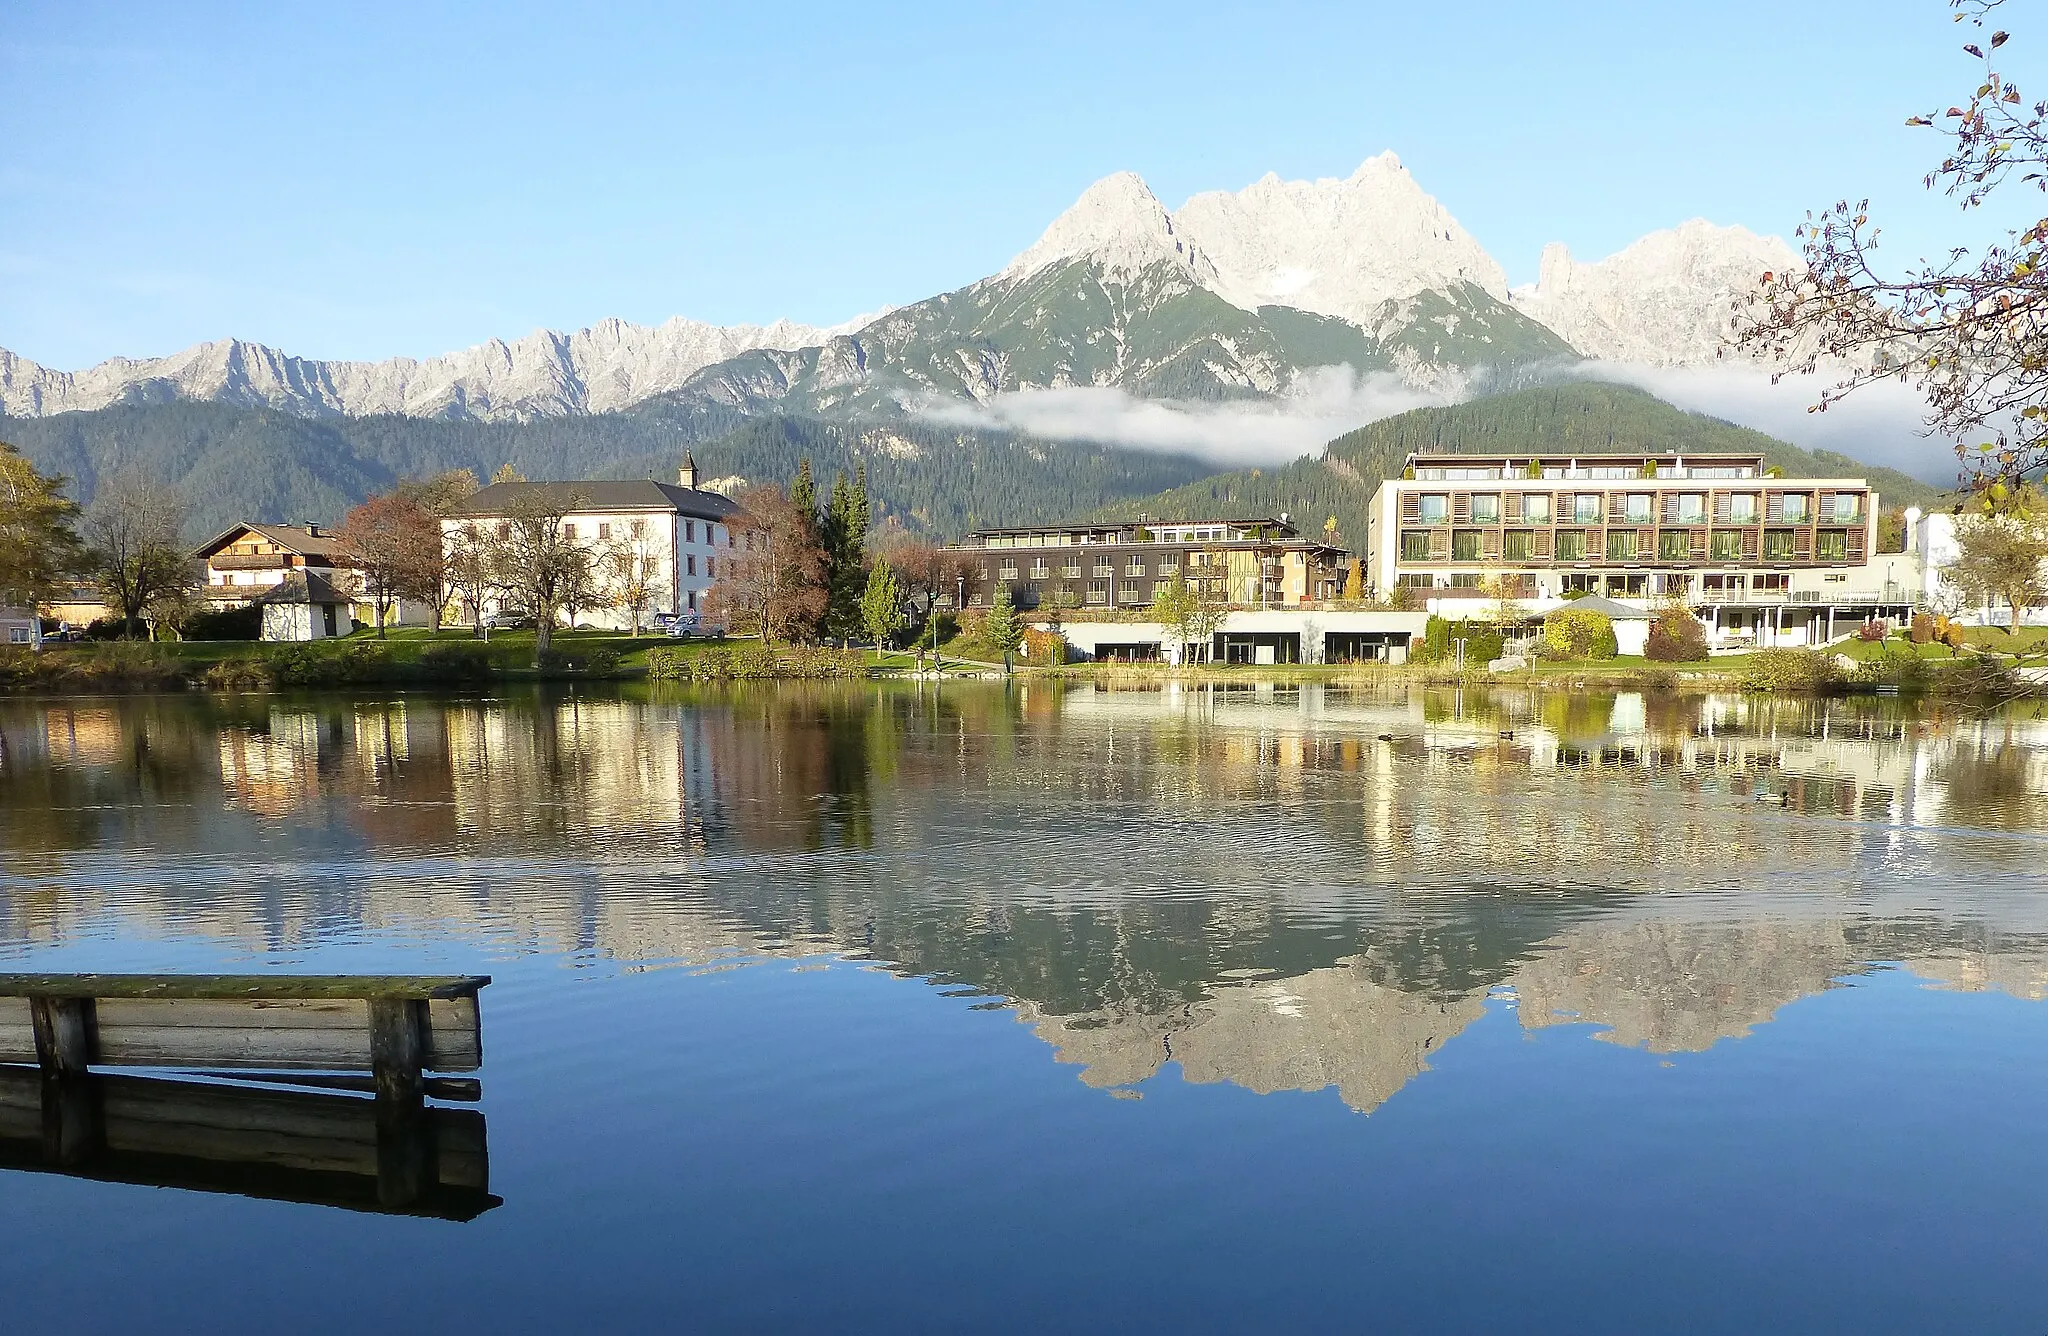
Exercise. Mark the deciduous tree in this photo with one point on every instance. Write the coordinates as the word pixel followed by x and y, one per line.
pixel 774 581
pixel 39 544
pixel 396 543
pixel 2003 558
pixel 538 564
pixel 1969 330
pixel 135 530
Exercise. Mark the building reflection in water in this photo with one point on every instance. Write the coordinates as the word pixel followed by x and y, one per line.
pixel 1284 888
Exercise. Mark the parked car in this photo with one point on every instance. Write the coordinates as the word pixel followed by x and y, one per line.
pixel 687 626
pixel 508 619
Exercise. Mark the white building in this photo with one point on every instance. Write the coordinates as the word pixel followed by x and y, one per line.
pixel 1760 558
pixel 20 628
pixel 679 535
pixel 305 605
pixel 1258 636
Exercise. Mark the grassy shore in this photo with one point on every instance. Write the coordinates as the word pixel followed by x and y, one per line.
pixel 414 657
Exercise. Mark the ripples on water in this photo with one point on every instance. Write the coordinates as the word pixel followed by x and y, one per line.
pixel 795 986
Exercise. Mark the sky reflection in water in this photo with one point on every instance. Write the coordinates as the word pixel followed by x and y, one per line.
pixel 877 1008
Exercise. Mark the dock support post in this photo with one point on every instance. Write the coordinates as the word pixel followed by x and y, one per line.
pixel 63 1027
pixel 74 1133
pixel 405 1154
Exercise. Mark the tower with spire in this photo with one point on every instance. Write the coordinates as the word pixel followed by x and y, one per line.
pixel 687 476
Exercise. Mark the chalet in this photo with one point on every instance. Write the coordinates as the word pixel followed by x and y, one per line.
pixel 243 561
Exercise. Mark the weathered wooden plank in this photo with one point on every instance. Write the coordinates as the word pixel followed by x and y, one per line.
pixel 456 1089
pixel 455 1035
pixel 211 1013
pixel 398 1048
pixel 17 1031
pixel 284 1050
pixel 254 986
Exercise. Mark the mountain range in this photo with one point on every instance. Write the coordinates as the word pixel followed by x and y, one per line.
pixel 1236 300
pixel 1234 294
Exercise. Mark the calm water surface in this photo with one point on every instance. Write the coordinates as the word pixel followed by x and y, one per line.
pixel 1057 1009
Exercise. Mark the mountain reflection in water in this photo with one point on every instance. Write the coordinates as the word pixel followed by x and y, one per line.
pixel 1285 889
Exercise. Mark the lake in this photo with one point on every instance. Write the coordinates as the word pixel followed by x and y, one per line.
pixel 857 1008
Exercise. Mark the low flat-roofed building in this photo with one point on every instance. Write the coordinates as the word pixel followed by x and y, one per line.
pixel 1244 562
pixel 20 628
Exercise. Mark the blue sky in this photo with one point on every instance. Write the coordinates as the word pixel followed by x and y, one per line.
pixel 366 180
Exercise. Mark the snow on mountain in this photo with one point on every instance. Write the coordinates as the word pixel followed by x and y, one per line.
pixel 1336 247
pixel 610 365
pixel 1122 226
pixel 1667 300
pixel 1373 249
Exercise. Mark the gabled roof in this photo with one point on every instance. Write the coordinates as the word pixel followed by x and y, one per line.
pixel 303 587
pixel 307 540
pixel 1616 612
pixel 504 498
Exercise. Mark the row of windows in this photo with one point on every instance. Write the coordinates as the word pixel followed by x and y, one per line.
pixel 1641 508
pixel 635 529
pixel 1596 472
pixel 1625 545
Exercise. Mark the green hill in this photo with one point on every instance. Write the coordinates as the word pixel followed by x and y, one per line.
pixel 235 463
pixel 1587 417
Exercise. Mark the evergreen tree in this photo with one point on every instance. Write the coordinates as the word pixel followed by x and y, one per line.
pixel 38 544
pixel 881 605
pixel 803 493
pixel 843 533
pixel 1003 630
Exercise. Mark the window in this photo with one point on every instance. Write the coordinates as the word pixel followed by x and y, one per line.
pixel 1103 566
pixel 1160 589
pixel 1465 545
pixel 17 635
pixel 1586 508
pixel 1847 506
pixel 568 531
pixel 1536 509
pixel 1581 582
pixel 1098 591
pixel 1436 509
pixel 690 565
pixel 1135 566
pixel 1796 508
pixel 689 531
pixel 1415 545
pixel 604 530
pixel 1009 570
pixel 1742 508
pixel 1763 583
pixel 1571 545
pixel 1726 545
pixel 1777 545
pixel 504 529
pixel 1640 507
pixel 1831 545
pixel 1621 545
pixel 1169 567
pixel 1039 570
pixel 638 528
pixel 1486 509
pixel 1692 508
pixel 1673 545
pixel 1518 545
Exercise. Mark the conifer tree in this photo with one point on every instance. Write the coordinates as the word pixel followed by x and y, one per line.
pixel 1004 630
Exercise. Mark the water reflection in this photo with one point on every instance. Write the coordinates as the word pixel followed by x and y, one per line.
pixel 1282 888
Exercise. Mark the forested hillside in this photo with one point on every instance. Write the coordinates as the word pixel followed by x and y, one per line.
pixel 238 463
pixel 1581 416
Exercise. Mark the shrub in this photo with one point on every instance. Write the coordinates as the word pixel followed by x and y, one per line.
pixel 1791 670
pixel 1676 637
pixel 243 673
pixel 752 661
pixel 243 623
pixel 453 661
pixel 1895 666
pixel 1046 647
pixel 1923 628
pixel 1577 633
pixel 1872 631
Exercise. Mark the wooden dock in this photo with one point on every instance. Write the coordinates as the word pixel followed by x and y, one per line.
pixel 338 1038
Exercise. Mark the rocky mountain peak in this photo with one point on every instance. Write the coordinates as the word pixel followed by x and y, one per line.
pixel 1665 300
pixel 1121 225
pixel 1336 247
